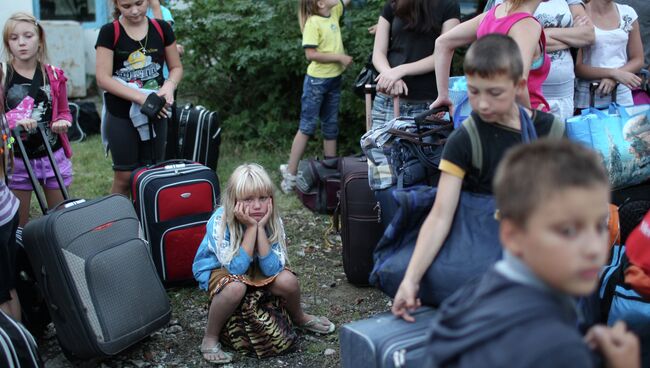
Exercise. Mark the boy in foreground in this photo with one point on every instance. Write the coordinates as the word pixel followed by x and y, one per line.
pixel 553 207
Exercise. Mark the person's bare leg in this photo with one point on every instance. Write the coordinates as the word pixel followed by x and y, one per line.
pixel 287 287
pixel 25 197
pixel 222 306
pixel 329 147
pixel 53 197
pixel 12 307
pixel 121 183
pixel 297 150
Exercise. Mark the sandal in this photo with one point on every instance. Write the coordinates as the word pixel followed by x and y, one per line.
pixel 216 351
pixel 319 325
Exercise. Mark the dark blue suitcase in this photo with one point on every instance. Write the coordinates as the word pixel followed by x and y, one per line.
pixel 386 341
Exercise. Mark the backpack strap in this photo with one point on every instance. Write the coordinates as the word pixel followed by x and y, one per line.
pixel 158 28
pixel 558 127
pixel 116 31
pixel 4 75
pixel 475 142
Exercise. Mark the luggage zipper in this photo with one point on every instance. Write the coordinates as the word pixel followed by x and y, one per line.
pixel 399 355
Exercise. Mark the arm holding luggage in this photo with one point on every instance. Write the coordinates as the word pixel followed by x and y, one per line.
pixel 430 239
pixel 619 346
pixel 390 79
pixel 173 61
pixel 625 74
pixel 463 34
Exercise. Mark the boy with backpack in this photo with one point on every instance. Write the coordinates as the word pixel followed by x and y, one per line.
pixel 552 199
pixel 494 68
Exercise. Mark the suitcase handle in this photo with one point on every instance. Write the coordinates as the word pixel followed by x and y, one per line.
pixel 40 196
pixel 171 164
pixel 592 93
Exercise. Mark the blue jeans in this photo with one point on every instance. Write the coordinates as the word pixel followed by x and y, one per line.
pixel 320 101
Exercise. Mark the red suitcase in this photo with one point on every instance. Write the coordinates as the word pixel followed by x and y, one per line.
pixel 174 201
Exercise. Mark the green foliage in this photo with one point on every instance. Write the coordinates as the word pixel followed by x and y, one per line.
pixel 244 59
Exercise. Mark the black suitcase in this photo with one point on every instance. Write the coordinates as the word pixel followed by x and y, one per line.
pixel 17 346
pixel 386 341
pixel 361 226
pixel 96 273
pixel 199 135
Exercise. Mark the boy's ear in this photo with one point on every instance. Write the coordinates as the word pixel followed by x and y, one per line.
pixel 511 236
pixel 522 85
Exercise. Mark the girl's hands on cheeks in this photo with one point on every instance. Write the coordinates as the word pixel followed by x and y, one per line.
pixel 242 213
pixel 269 210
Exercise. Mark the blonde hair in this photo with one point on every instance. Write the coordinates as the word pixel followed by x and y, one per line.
pixel 248 180
pixel 10 25
pixel 306 8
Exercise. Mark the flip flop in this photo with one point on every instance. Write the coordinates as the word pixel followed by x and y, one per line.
pixel 313 325
pixel 216 350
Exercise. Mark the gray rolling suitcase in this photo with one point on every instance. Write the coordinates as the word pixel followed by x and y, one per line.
pixel 386 341
pixel 96 273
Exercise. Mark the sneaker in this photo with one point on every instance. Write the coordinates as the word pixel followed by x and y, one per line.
pixel 288 180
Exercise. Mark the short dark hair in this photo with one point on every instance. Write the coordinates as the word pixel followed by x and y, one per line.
pixel 529 173
pixel 494 55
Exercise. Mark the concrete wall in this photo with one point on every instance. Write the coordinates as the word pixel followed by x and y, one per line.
pixel 66 47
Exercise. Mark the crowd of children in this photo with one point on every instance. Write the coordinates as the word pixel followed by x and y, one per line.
pixel 552 195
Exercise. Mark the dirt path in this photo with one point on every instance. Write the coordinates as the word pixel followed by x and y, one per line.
pixel 325 292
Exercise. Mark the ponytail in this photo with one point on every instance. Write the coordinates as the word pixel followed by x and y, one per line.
pixel 306 8
pixel 116 11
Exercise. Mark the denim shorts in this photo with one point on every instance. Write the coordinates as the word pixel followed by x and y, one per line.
pixel 382 109
pixel 320 101
pixel 127 150
pixel 43 171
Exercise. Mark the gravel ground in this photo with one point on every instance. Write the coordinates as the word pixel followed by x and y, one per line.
pixel 325 291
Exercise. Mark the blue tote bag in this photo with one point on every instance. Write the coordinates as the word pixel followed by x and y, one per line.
pixel 471 247
pixel 622 137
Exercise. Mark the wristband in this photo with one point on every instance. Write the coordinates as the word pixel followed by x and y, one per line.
pixel 173 81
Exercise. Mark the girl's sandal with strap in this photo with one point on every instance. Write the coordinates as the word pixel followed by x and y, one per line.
pixel 218 352
pixel 319 325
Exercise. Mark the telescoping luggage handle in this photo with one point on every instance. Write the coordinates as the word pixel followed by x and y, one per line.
pixel 593 86
pixel 30 171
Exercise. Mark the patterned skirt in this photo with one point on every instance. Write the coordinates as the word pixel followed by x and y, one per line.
pixel 260 326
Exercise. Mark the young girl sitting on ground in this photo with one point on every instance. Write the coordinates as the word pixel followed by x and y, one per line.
pixel 245 248
pixel 24 44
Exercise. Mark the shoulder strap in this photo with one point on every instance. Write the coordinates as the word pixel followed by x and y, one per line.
pixel 158 28
pixel 4 75
pixel 557 130
pixel 475 142
pixel 116 32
